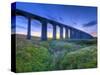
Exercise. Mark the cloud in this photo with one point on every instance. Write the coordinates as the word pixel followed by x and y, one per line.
pixel 51 17
pixel 17 26
pixel 75 23
pixel 94 34
pixel 22 27
pixel 91 23
pixel 60 18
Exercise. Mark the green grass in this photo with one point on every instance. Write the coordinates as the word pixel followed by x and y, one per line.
pixel 36 55
pixel 82 58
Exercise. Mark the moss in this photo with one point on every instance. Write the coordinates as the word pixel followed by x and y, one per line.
pixel 84 58
pixel 45 44
pixel 32 58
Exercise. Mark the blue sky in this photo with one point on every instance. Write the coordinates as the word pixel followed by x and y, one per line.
pixel 80 17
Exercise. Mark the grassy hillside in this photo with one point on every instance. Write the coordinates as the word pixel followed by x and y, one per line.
pixel 36 55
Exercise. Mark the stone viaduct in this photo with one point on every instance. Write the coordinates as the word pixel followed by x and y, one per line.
pixel 73 32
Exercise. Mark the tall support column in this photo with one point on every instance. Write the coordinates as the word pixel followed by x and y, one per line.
pixel 29 29
pixel 71 33
pixel 66 33
pixel 79 35
pixel 74 34
pixel 61 32
pixel 54 31
pixel 83 35
pixel 44 30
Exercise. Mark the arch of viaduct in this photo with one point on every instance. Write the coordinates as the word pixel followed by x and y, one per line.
pixel 73 32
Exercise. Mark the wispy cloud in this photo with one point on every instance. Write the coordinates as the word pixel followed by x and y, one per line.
pixel 17 26
pixel 75 23
pixel 51 17
pixel 60 18
pixel 22 27
pixel 91 23
pixel 94 34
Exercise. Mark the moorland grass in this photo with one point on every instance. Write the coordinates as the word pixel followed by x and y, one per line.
pixel 37 55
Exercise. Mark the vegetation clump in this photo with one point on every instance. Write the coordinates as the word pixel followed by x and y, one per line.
pixel 35 55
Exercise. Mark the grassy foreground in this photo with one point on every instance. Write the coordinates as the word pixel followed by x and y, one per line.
pixel 35 55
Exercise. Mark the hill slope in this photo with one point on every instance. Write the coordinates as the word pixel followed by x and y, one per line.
pixel 37 55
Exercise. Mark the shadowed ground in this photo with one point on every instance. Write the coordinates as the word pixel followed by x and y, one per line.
pixel 37 55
